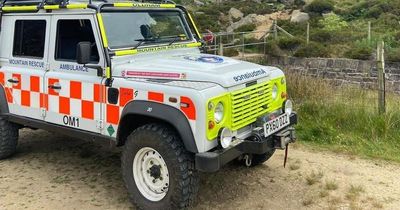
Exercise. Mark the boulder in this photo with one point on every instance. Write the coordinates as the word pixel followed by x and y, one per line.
pixel 249 19
pixel 235 14
pixel 199 3
pixel 299 17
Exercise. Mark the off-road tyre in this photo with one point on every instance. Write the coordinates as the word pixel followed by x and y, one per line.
pixel 8 138
pixel 183 178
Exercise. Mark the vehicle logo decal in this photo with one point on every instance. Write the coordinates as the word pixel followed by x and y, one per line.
pixel 205 59
pixel 249 75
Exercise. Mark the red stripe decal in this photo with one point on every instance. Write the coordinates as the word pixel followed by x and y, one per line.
pixel 75 90
pixel 112 114
pixel 189 108
pixel 126 96
pixel 154 96
pixel 2 78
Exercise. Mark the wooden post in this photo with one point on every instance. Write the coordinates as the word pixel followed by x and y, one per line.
pixel 242 45
pixel 265 44
pixel 369 31
pixel 275 29
pixel 220 46
pixel 381 77
pixel 308 33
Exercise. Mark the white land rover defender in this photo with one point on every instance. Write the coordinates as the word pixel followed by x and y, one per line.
pixel 133 73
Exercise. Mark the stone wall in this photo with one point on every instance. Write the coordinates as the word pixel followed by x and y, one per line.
pixel 341 71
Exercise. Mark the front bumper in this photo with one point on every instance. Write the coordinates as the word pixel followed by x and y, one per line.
pixel 213 161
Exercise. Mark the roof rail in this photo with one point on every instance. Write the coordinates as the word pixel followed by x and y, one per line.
pixel 158 1
pixel 36 5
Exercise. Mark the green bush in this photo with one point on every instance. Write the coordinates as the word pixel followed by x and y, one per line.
pixel 288 43
pixel 296 29
pixel 247 27
pixel 321 36
pixel 313 49
pixel 333 22
pixel 388 20
pixel 273 49
pixel 320 6
pixel 231 52
pixel 393 55
pixel 361 51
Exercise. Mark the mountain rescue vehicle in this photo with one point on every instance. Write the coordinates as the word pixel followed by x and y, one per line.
pixel 134 73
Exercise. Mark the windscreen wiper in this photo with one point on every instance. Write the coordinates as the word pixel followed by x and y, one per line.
pixel 142 41
pixel 176 38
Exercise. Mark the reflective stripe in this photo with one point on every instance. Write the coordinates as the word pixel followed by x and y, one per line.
pixel 102 30
pixel 125 52
pixel 108 72
pixel 156 49
pixel 145 5
pixel 194 25
pixel 76 6
pixel 19 8
pixel 51 7
pixel 123 4
pixel 167 5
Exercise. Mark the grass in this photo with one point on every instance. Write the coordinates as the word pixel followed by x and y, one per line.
pixel 354 192
pixel 295 166
pixel 314 177
pixel 331 185
pixel 345 119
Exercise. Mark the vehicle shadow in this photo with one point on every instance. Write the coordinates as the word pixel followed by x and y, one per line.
pixel 95 167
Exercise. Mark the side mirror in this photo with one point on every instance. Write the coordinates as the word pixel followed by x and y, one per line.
pixel 83 52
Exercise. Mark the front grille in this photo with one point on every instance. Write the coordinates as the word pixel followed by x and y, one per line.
pixel 249 103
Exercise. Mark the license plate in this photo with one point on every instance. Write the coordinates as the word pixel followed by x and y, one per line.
pixel 276 124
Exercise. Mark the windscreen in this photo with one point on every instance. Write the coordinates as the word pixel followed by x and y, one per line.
pixel 134 28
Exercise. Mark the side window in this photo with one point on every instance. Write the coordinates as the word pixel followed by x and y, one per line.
pixel 69 34
pixel 29 38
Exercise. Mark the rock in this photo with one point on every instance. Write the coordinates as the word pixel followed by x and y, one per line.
pixel 199 3
pixel 286 2
pixel 249 19
pixel 299 17
pixel 235 14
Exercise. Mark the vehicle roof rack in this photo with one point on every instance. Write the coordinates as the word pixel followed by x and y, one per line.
pixel 40 4
pixel 158 1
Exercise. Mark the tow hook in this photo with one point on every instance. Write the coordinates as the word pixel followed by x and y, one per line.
pixel 248 160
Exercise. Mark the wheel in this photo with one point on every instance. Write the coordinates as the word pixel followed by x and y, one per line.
pixel 158 172
pixel 8 138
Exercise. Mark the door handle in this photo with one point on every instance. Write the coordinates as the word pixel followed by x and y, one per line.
pixel 55 87
pixel 15 81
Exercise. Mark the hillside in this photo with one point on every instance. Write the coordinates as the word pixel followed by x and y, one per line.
pixel 337 28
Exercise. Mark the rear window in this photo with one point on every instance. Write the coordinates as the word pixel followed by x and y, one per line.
pixel 29 38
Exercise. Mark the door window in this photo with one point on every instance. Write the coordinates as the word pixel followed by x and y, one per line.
pixel 29 38
pixel 69 34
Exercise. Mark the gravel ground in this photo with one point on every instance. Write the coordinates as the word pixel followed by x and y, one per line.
pixel 57 172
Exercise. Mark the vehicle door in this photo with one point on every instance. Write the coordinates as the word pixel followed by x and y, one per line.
pixel 74 93
pixel 24 61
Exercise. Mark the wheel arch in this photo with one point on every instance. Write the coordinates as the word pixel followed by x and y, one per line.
pixel 3 101
pixel 138 113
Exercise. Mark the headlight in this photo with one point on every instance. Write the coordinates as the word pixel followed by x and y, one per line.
pixel 219 112
pixel 288 107
pixel 274 92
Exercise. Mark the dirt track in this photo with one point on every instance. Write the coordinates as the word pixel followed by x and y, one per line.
pixel 58 172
